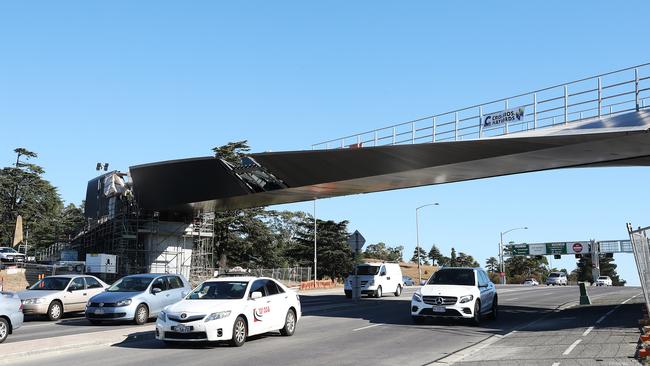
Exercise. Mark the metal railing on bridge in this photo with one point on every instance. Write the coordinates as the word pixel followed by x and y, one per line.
pixel 606 94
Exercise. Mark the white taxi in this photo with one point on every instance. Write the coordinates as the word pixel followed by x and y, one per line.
pixel 230 309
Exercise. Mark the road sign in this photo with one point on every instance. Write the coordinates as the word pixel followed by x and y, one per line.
pixel 577 247
pixel 356 241
pixel 556 248
pixel 518 249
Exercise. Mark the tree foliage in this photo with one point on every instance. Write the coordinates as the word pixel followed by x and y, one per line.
pixel 423 256
pixel 23 191
pixel 384 252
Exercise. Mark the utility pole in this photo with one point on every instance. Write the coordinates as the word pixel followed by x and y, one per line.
pixel 417 238
pixel 315 244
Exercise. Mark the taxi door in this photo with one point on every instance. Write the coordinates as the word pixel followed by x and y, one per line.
pixel 259 310
pixel 279 305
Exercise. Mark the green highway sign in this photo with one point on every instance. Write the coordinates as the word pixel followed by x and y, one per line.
pixel 556 248
pixel 518 249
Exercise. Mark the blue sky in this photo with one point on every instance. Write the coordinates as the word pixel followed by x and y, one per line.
pixel 134 82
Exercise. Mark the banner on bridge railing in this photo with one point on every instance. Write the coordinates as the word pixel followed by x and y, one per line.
pixel 503 117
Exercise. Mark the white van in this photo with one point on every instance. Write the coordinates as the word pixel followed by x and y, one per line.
pixel 375 279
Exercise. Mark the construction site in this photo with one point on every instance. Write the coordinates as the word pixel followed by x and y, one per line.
pixel 143 241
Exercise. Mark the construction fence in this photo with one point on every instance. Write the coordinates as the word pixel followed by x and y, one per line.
pixel 641 249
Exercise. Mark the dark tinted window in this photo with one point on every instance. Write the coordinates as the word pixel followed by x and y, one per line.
pixel 259 285
pixel 159 283
pixel 463 277
pixel 367 270
pixel 77 284
pixel 130 284
pixel 483 279
pixel 92 283
pixel 174 282
pixel 272 288
pixel 220 290
pixel 51 283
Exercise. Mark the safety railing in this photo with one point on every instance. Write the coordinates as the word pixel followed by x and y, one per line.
pixel 641 249
pixel 607 94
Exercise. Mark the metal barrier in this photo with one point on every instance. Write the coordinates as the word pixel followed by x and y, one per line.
pixel 641 249
pixel 607 94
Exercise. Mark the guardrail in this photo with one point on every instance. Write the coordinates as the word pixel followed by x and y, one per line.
pixel 607 94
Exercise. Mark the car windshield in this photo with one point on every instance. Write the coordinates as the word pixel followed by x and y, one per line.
pixel 51 283
pixel 367 270
pixel 8 250
pixel 130 284
pixel 554 275
pixel 602 278
pixel 219 290
pixel 463 277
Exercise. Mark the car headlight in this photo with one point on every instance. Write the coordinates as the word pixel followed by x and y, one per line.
pixel 35 301
pixel 123 302
pixel 466 298
pixel 217 315
pixel 162 316
pixel 417 297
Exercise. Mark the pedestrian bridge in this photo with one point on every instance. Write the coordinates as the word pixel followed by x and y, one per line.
pixel 601 121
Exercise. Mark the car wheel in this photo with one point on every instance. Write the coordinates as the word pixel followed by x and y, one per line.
pixel 417 319
pixel 289 324
pixel 378 292
pixel 398 291
pixel 4 329
pixel 141 314
pixel 495 308
pixel 55 311
pixel 239 332
pixel 476 320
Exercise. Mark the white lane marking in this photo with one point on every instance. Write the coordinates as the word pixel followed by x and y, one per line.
pixel 555 364
pixel 367 327
pixel 571 347
pixel 509 334
pixel 625 302
pixel 588 331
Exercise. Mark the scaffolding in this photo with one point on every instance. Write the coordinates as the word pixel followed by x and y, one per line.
pixel 201 235
pixel 121 233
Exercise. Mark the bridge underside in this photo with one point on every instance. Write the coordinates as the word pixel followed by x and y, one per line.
pixel 282 177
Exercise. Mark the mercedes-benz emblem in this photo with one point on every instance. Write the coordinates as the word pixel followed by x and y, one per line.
pixel 183 316
pixel 439 300
pixel 101 304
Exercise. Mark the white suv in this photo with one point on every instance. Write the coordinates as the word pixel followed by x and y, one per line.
pixel 556 278
pixel 604 281
pixel 465 293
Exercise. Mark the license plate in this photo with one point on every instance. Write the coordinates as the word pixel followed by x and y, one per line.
pixel 438 309
pixel 99 311
pixel 182 328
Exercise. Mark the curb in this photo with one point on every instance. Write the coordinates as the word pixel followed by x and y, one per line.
pixel 63 343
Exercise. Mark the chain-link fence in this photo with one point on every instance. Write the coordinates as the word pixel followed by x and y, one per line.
pixel 290 277
pixel 641 249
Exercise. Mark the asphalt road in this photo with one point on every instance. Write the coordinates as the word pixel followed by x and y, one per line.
pixel 336 331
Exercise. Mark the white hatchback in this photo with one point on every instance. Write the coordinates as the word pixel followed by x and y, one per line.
pixel 230 309
pixel 456 293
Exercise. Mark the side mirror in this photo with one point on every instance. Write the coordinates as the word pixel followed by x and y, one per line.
pixel 155 290
pixel 256 295
pixel 26 287
pixel 423 282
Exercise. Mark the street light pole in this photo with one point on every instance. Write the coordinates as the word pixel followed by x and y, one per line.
pixel 315 257
pixel 417 238
pixel 503 265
